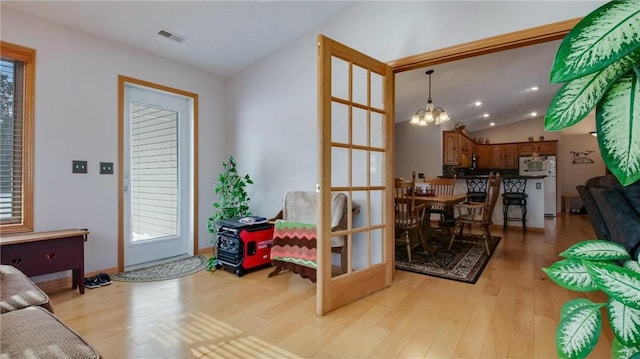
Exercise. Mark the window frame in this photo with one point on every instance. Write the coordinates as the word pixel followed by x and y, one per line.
pixel 28 57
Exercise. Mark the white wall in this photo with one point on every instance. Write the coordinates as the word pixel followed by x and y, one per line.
pixel 273 103
pixel 572 174
pixel 419 149
pixel 76 119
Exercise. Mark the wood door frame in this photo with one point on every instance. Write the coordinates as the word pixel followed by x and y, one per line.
pixel 122 81
pixel 507 41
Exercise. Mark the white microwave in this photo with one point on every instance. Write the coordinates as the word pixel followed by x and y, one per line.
pixel 536 166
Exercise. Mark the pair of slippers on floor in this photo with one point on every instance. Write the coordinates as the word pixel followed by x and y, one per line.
pixel 101 279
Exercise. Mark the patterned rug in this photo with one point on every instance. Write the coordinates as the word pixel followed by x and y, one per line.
pixel 178 268
pixel 464 262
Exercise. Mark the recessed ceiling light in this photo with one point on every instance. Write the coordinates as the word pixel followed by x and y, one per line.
pixel 492 124
pixel 533 114
pixel 486 115
pixel 477 103
pixel 534 88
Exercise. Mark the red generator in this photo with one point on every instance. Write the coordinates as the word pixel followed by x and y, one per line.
pixel 243 246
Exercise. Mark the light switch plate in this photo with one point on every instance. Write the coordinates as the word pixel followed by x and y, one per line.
pixel 538 185
pixel 79 166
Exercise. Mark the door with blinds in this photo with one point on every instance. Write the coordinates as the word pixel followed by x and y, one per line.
pixel 157 175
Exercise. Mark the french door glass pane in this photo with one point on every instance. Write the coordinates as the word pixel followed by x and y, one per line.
pixel 154 169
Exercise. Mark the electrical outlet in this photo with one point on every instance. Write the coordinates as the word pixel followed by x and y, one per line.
pixel 79 167
pixel 538 185
pixel 106 168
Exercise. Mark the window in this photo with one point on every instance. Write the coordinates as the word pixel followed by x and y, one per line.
pixel 17 81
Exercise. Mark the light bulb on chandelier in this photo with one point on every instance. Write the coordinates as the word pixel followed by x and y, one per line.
pixel 430 114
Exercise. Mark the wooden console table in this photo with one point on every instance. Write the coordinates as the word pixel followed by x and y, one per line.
pixel 38 253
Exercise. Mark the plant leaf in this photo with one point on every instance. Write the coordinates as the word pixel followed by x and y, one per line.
pixel 578 97
pixel 620 283
pixel 578 331
pixel 597 250
pixel 618 126
pixel 571 274
pixel 573 304
pixel 632 265
pixel 599 39
pixel 625 322
pixel 621 351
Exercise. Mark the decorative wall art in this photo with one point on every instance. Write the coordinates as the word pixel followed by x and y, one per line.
pixel 581 158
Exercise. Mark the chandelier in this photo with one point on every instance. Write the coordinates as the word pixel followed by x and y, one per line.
pixel 430 114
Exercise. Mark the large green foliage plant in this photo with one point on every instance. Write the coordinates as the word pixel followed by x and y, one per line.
pixel 233 199
pixel 599 63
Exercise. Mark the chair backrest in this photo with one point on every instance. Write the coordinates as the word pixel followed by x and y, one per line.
pixel 493 191
pixel 476 184
pixel 405 206
pixel 514 184
pixel 302 206
pixel 442 186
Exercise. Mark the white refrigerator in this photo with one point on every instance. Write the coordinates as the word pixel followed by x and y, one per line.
pixel 542 166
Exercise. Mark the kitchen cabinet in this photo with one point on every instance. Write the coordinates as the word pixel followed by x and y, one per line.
pixel 457 149
pixel 504 156
pixel 484 156
pixel 543 148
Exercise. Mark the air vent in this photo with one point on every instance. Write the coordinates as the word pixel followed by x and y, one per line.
pixel 168 35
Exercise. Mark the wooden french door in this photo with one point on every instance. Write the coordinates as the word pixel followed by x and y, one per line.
pixel 355 127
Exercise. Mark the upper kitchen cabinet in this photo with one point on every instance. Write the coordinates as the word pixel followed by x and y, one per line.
pixel 504 156
pixel 457 149
pixel 484 156
pixel 543 148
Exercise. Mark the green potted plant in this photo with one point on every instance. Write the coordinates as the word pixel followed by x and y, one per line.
pixel 233 200
pixel 599 61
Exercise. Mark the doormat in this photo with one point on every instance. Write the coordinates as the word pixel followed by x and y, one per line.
pixel 170 270
pixel 464 262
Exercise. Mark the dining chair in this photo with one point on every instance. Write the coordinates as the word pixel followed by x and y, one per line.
pixel 441 186
pixel 409 216
pixel 478 214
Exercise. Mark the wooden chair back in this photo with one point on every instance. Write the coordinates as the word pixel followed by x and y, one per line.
pixel 442 186
pixel 405 204
pixel 493 192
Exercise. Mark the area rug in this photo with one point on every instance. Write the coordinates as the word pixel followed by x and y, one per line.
pixel 464 262
pixel 178 268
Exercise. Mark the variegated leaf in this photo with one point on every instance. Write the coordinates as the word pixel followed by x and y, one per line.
pixel 572 305
pixel 632 265
pixel 599 39
pixel 621 351
pixel 618 126
pixel 620 283
pixel 578 97
pixel 571 274
pixel 596 250
pixel 625 322
pixel 578 331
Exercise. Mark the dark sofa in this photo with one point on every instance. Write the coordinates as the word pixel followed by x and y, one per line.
pixel 614 210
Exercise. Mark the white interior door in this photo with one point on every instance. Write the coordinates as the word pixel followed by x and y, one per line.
pixel 355 121
pixel 157 170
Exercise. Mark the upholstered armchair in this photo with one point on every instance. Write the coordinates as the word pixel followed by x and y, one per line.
pixel 302 207
pixel 614 210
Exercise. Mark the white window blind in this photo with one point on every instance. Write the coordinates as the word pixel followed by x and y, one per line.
pixel 154 172
pixel 11 141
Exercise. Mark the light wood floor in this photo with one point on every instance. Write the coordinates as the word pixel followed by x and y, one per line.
pixel 511 312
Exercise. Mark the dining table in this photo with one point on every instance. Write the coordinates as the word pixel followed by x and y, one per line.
pixel 445 200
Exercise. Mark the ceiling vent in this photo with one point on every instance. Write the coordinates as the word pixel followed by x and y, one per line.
pixel 168 35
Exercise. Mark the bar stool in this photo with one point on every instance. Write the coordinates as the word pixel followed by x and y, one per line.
pixel 476 189
pixel 514 195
